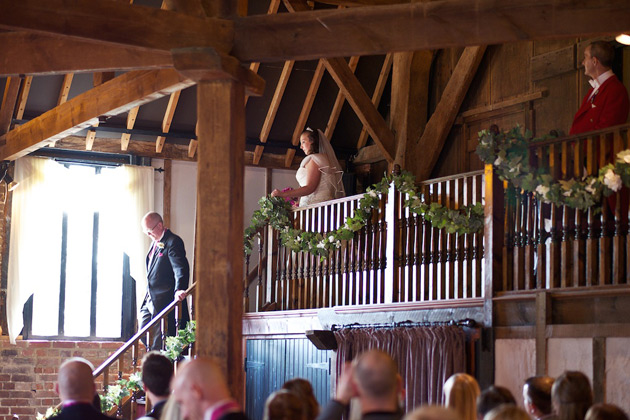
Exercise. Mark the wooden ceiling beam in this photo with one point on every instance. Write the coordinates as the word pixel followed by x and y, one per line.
pixel 378 93
pixel 24 92
pixel 273 108
pixel 115 22
pixel 421 25
pixel 168 119
pixel 65 88
pixel 9 100
pixel 31 53
pixel 306 110
pixel 112 98
pixel 442 119
pixel 131 122
pixel 362 106
pixel 170 151
pixel 336 109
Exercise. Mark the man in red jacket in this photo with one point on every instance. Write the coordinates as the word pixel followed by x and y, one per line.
pixel 606 103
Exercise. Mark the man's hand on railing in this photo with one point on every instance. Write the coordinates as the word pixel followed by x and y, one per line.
pixel 180 295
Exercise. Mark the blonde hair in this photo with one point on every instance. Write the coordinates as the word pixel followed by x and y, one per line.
pixel 460 393
pixel 507 412
pixel 432 412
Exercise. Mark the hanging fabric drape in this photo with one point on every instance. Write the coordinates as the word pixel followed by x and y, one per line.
pixel 426 356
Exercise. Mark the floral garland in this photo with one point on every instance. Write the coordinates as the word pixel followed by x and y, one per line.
pixel 508 152
pixel 275 211
pixel 175 345
pixel 123 388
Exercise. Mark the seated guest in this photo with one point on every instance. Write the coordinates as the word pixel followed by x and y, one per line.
pixel 283 405
pixel 76 388
pixel 491 398
pixel 432 412
pixel 460 393
pixel 605 412
pixel 304 390
pixel 202 393
pixel 571 396
pixel 373 380
pixel 157 372
pixel 507 412
pixel 537 397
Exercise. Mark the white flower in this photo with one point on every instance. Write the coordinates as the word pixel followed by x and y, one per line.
pixel 612 180
pixel 589 188
pixel 331 239
pixel 373 194
pixel 542 190
pixel 321 245
pixel 338 244
pixel 624 156
pixel 567 193
pixel 298 239
pixel 498 161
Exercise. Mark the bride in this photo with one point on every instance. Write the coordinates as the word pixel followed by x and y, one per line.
pixel 319 175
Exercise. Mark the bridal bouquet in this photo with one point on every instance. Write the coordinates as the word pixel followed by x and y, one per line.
pixel 291 200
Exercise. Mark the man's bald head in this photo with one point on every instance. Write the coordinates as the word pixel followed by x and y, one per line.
pixel 198 385
pixel 377 375
pixel 75 381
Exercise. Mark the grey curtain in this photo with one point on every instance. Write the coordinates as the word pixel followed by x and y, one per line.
pixel 426 356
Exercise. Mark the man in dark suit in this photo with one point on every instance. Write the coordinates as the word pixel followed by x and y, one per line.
pixel 76 388
pixel 167 276
pixel 606 103
pixel 157 372
pixel 202 393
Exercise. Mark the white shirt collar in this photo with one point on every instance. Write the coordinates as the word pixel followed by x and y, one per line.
pixel 596 83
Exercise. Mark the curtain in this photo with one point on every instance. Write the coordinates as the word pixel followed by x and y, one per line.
pixel 426 356
pixel 121 195
pixel 35 218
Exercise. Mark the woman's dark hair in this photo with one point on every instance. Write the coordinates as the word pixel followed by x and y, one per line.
pixel 605 412
pixel 571 396
pixel 538 391
pixel 493 397
pixel 313 137
pixel 283 405
pixel 304 390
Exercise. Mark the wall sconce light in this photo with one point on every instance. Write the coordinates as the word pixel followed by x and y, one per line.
pixel 623 39
pixel 10 184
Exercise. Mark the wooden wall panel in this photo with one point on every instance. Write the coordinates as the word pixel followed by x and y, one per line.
pixel 509 70
pixel 555 112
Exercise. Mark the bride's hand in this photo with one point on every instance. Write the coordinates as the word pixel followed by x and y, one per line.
pixel 275 193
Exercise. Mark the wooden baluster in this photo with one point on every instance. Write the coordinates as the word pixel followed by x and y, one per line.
pixel 450 244
pixel 417 258
pixel 468 287
pixel 529 241
pixel 260 288
pixel 246 285
pixel 618 253
pixel 478 249
pixel 554 253
pixel 308 278
pixel 163 330
pixel 281 290
pixel 434 278
pixel 459 244
pixel 346 261
pixel 441 198
pixel 508 244
pixel 412 256
pixel 301 273
pixel 339 220
pixel 566 238
pixel 401 243
pixel 119 408
pixel 541 250
pixel 519 254
pixel 579 243
pixel 105 380
pixel 604 235
pixel 134 369
pixel 382 249
pixel 591 240
pixel 329 264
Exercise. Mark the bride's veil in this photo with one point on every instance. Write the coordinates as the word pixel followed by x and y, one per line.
pixel 335 168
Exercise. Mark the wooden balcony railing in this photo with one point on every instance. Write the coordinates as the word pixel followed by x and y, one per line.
pixel 117 359
pixel 396 257
pixel 547 246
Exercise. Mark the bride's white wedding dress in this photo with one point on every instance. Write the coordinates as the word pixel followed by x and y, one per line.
pixel 326 188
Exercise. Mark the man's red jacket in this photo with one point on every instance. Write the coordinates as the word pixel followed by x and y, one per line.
pixel 606 108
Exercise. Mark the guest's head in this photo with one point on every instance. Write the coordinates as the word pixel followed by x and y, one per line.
pixel 153 225
pixel 598 58
pixel 605 412
pixel 432 412
pixel 198 385
pixel 460 393
pixel 493 397
pixel 507 412
pixel 157 372
pixel 571 396
pixel 377 380
pixel 309 142
pixel 304 390
pixel 283 405
pixel 75 381
pixel 537 396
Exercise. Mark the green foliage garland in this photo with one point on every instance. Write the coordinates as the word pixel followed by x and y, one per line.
pixel 275 211
pixel 123 388
pixel 175 345
pixel 508 152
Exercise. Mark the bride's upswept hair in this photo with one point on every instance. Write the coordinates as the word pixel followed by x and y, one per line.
pixel 312 136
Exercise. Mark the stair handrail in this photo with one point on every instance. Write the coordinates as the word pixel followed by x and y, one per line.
pixel 118 353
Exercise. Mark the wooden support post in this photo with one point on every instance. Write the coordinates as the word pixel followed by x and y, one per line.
pixel 219 244
pixel 9 100
pixel 493 243
pixel 543 318
pixel 599 370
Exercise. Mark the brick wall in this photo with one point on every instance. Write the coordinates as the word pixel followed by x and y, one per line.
pixel 28 372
